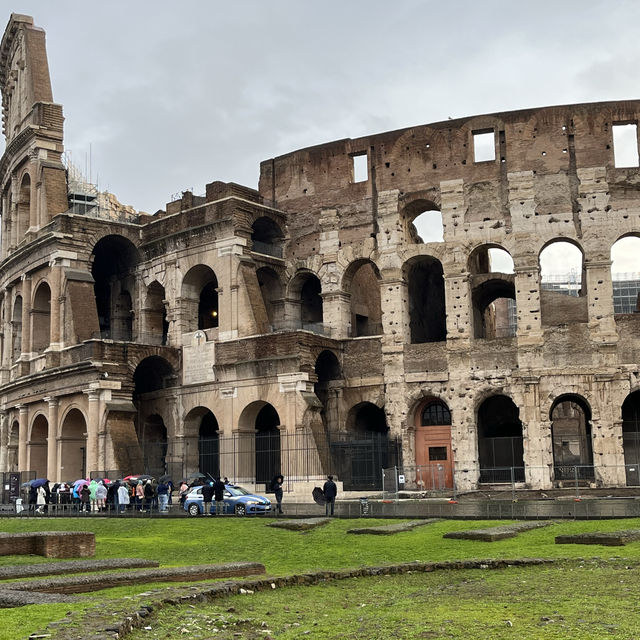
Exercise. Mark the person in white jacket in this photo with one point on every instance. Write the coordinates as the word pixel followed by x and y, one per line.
pixel 41 499
pixel 123 497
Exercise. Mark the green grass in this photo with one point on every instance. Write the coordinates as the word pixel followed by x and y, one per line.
pixel 557 602
pixel 197 541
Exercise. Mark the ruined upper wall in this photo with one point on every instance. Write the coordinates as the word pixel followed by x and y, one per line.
pixel 553 142
pixel 24 73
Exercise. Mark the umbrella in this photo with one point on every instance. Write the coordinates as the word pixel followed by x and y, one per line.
pixel 196 476
pixel 318 496
pixel 80 482
pixel 165 478
pixel 26 484
pixel 39 482
pixel 133 479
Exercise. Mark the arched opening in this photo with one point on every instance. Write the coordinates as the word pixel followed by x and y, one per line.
pixel 12 447
pixel 494 309
pixel 73 446
pixel 16 326
pixel 271 290
pixel 200 299
pixel 489 258
pixel 427 311
pixel 152 435
pixel 328 370
pixel 434 459
pixel 625 275
pixel 367 451
pixel 562 268
pixel 631 437
pixel 114 262
pixel 571 439
pixel 38 447
pixel 24 208
pixel 152 374
pixel 268 456
pixel 156 326
pixel 41 318
pixel 267 237
pixel 423 222
pixel 305 295
pixel 209 445
pixel 366 310
pixel 500 442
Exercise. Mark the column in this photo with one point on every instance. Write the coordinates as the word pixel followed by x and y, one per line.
pixel 92 430
pixel 22 436
pixel 52 440
pixel 55 337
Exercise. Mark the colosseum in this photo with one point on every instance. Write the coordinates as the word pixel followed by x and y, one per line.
pixel 377 303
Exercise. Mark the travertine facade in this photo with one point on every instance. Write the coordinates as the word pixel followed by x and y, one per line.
pixel 310 310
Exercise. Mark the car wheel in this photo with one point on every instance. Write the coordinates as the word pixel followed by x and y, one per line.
pixel 241 510
pixel 194 510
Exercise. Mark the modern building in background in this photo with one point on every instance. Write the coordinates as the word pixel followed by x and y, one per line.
pixel 304 328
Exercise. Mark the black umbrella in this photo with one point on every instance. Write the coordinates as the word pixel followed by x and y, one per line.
pixel 165 478
pixel 196 476
pixel 318 496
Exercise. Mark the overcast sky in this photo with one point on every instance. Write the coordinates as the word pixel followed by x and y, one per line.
pixel 172 95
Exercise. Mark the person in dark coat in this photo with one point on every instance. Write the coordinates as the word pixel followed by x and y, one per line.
pixel 218 496
pixel 276 487
pixel 33 498
pixel 149 494
pixel 330 491
pixel 207 497
pixel 85 497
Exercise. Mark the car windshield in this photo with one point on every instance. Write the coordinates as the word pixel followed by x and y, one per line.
pixel 237 491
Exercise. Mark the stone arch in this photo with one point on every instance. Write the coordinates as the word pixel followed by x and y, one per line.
pixel 259 422
pixel 73 445
pixel 368 432
pixel 361 281
pixel 203 434
pixel 490 258
pixel 422 221
pixel 571 437
pixel 426 299
pixel 155 324
pixel 500 440
pixel 434 456
pixel 562 267
pixel 152 435
pixel 631 437
pixel 16 326
pixel 493 314
pixel 23 208
pixel 328 388
pixel 304 294
pixel 272 295
pixel 38 437
pixel 41 318
pixel 625 270
pixel 267 237
pixel 199 293
pixel 114 262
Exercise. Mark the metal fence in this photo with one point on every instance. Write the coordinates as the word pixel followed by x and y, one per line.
pixel 437 480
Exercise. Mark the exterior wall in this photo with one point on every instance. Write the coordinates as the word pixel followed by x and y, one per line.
pixel 553 178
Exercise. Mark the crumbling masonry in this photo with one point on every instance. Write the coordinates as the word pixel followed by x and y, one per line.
pixel 305 327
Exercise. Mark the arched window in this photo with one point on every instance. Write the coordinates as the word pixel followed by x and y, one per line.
pixel 267 237
pixel 625 275
pixel 435 413
pixel 200 299
pixel 631 437
pixel 41 318
pixel 427 310
pixel 362 280
pixel 423 222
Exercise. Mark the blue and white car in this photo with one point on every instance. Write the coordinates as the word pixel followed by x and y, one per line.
pixel 236 500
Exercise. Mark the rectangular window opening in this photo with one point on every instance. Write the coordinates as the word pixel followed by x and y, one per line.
pixel 484 145
pixel 625 145
pixel 360 167
pixel 437 453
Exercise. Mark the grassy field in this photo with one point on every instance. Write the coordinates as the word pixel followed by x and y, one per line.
pixel 198 541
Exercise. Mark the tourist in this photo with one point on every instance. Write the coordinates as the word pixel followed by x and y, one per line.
pixel 276 487
pixel 330 491
pixel 139 495
pixel 101 496
pixel 163 496
pixel 93 486
pixel 207 497
pixel 183 491
pixel 149 495
pixel 218 496
pixel 123 497
pixel 41 499
pixel 85 497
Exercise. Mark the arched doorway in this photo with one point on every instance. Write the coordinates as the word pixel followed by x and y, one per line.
pixel 268 455
pixel 366 451
pixel 327 388
pixel 362 281
pixel 631 437
pixel 571 438
pixel 426 299
pixel 200 299
pixel 433 445
pixel 38 447
pixel 305 296
pixel 156 326
pixel 153 438
pixel 209 445
pixel 500 443
pixel 73 446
